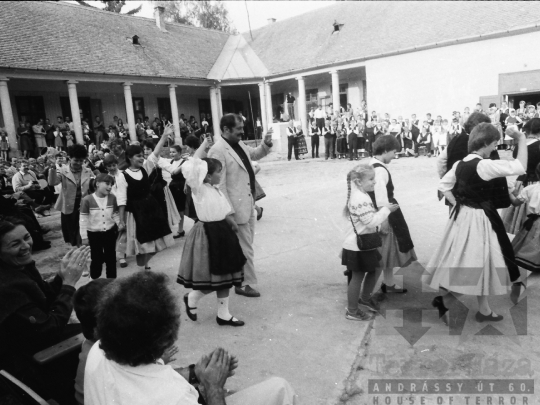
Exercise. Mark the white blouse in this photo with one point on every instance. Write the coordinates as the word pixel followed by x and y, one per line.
pixel 211 205
pixel 381 180
pixel 531 195
pixel 487 169
pixel 121 185
pixel 165 165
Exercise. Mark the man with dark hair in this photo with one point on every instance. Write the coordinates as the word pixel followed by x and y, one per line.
pixel 118 149
pixel 238 185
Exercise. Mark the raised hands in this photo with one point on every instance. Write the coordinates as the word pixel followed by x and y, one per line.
pixel 73 265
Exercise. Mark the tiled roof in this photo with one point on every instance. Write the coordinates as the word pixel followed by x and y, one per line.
pixel 377 27
pixel 61 36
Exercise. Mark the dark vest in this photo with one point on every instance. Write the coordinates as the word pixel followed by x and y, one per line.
pixel 396 218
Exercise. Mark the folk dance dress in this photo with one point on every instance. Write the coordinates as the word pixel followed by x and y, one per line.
pixel 342 148
pixel 475 256
pixel 212 258
pixel 526 244
pixel 158 172
pixel 514 217
pixel 398 248
pixel 301 145
pixel 147 229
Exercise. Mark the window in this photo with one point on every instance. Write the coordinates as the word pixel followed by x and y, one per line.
pixel 30 109
pixel 337 26
pixel 135 39
pixel 312 98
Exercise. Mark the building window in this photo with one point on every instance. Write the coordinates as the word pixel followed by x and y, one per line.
pixel 312 98
pixel 30 109
pixel 138 108
pixel 135 39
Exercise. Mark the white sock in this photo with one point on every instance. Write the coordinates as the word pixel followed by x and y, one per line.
pixel 389 277
pixel 193 298
pixel 223 308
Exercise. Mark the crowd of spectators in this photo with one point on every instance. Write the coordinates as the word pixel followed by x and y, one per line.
pixel 350 132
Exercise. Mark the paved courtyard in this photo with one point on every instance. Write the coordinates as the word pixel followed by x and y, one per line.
pixel 297 329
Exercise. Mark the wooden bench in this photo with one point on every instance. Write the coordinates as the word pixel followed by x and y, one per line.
pixel 60 349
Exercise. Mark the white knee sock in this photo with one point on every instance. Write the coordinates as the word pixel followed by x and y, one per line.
pixel 193 298
pixel 223 308
pixel 389 277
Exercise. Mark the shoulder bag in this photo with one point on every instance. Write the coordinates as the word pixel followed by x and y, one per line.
pixel 369 241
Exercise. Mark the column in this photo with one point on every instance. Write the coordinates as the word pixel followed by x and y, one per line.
pixel 269 113
pixel 7 114
pixel 262 97
pixel 75 111
pixel 129 111
pixel 175 115
pixel 215 113
pixel 219 104
pixel 335 89
pixel 302 104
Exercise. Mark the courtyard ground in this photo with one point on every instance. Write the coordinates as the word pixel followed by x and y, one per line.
pixel 297 329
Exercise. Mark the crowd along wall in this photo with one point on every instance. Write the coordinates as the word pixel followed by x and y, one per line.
pixel 445 79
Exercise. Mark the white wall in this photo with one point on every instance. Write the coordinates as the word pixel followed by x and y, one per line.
pixel 445 79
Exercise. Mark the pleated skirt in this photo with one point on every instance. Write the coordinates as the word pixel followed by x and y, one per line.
pixel 526 246
pixel 391 256
pixel 514 217
pixel 469 259
pixel 128 244
pixel 194 271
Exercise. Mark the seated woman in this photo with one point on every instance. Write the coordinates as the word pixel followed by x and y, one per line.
pixel 34 314
pixel 126 367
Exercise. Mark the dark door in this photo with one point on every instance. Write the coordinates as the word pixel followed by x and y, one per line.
pixel 30 109
pixel 85 111
pixel 95 109
pixel 205 111
pixel 138 108
pixel 164 108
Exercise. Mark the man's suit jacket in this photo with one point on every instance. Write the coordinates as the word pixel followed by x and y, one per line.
pixel 234 182
pixel 66 199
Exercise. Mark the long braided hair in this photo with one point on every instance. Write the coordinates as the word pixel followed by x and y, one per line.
pixel 359 172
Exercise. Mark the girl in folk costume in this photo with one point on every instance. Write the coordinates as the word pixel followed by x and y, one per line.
pixel 174 190
pixel 212 259
pixel 397 248
pixel 408 141
pixel 363 266
pixel 527 242
pixel 158 185
pixel 147 230
pixel 514 216
pixel 342 144
pixel 360 130
pixel 300 145
pixel 512 119
pixel 476 256
pixel 58 143
pixel 424 139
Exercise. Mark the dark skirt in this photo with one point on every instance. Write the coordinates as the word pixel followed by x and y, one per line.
pixel 25 143
pixel 342 145
pixel 355 261
pixel 224 250
pixel 360 143
pixel 177 191
pixel 70 224
pixel 190 206
pixel 150 219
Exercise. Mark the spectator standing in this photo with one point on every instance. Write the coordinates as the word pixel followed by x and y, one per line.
pixel 238 185
pixel 292 141
pixel 25 140
pixel 75 181
pixel 320 116
pixel 290 99
pixel 49 133
pixel 39 136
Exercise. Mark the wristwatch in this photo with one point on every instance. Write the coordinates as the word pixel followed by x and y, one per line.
pixel 192 376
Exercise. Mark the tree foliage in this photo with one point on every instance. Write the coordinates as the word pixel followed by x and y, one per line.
pixel 113 6
pixel 206 14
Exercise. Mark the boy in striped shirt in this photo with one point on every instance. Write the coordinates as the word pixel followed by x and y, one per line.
pixel 99 226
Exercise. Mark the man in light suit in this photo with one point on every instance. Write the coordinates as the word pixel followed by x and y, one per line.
pixel 238 185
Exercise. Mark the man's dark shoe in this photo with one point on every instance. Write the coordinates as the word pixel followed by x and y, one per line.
pixel 230 322
pixel 247 291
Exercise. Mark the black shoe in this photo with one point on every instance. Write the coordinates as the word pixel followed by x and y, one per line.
pixel 179 235
pixel 490 318
pixel 392 289
pixel 190 315
pixel 439 304
pixel 247 292
pixel 230 322
pixel 259 216
pixel 516 292
pixel 123 263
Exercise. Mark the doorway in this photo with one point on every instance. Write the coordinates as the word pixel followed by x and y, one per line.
pixel 514 99
pixel 30 109
pixel 85 110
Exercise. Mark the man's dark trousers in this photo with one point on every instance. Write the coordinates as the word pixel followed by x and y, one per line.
pixel 292 144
